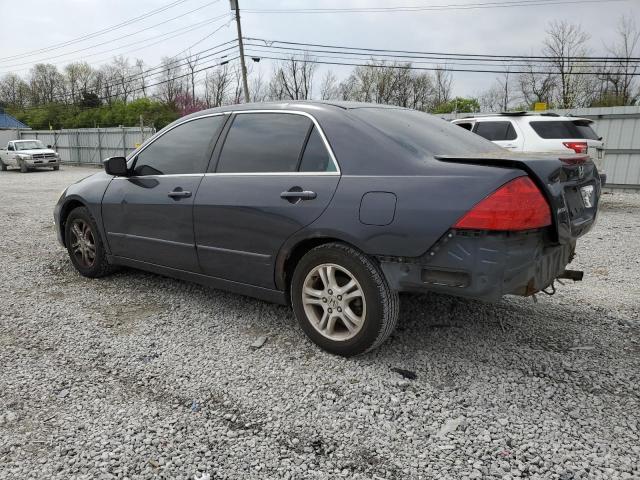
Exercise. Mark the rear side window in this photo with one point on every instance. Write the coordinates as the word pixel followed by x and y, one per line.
pixel 466 126
pixel 558 129
pixel 316 157
pixel 183 149
pixel 264 142
pixel 496 131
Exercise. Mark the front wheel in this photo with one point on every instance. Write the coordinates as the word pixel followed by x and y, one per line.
pixel 342 300
pixel 56 167
pixel 84 244
pixel 23 167
pixel 3 167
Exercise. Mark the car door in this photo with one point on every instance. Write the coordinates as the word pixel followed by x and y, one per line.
pixel 273 174
pixel 148 215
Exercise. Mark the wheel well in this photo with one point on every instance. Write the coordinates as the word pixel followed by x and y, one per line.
pixel 299 251
pixel 64 213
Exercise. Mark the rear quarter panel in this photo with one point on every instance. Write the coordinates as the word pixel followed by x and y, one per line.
pixel 427 206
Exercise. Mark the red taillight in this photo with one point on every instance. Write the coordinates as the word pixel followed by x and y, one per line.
pixel 578 147
pixel 516 205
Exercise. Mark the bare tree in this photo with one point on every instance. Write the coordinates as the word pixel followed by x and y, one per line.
pixel 257 88
pixel 292 79
pixel 491 100
pixel 141 76
pixel 171 83
pixel 422 92
pixel 192 65
pixel 78 78
pixel 216 86
pixel 46 84
pixel 536 87
pixel 14 91
pixel 443 81
pixel 566 46
pixel 329 86
pixel 619 74
pixel 123 72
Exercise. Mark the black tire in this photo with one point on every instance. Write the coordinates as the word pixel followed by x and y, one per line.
pixel 3 167
pixel 56 167
pixel 23 167
pixel 382 303
pixel 99 267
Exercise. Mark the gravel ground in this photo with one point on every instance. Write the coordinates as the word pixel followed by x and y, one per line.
pixel 141 376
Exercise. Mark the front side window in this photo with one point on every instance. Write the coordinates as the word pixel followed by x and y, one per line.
pixel 183 149
pixel 264 142
pixel 496 131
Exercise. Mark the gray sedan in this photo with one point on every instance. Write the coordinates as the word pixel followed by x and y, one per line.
pixel 333 208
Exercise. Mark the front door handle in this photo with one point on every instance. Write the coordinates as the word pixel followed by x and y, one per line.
pixel 296 194
pixel 179 193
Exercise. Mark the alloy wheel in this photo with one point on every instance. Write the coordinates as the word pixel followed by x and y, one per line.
pixel 334 302
pixel 83 244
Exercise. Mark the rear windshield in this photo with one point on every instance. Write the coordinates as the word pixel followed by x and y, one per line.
pixel 557 129
pixel 423 134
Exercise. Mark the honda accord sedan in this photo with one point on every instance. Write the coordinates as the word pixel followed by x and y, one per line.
pixel 333 208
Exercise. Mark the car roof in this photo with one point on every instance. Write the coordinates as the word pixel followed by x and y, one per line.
pixel 525 115
pixel 292 104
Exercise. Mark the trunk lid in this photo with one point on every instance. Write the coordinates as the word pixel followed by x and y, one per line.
pixel 570 183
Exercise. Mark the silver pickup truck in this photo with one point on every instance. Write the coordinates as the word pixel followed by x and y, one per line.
pixel 27 155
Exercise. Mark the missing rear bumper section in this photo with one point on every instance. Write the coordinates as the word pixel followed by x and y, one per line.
pixel 482 265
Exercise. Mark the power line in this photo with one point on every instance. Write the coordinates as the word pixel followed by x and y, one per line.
pixel 133 91
pixel 469 6
pixel 95 34
pixel 410 58
pixel 123 36
pixel 164 66
pixel 270 43
pixel 440 68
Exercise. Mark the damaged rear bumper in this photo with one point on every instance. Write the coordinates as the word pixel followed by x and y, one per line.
pixel 482 265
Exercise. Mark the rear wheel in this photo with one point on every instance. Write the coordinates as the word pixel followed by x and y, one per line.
pixel 342 300
pixel 84 244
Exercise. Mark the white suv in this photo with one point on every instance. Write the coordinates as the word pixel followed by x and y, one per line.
pixel 546 132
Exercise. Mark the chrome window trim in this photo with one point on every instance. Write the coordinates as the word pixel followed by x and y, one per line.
pixel 292 112
pixel 155 138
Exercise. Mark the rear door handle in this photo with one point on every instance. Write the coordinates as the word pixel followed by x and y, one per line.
pixel 179 193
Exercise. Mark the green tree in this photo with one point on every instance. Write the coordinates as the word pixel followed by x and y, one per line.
pixel 458 104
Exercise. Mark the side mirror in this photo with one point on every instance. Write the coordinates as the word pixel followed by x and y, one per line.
pixel 49 146
pixel 116 166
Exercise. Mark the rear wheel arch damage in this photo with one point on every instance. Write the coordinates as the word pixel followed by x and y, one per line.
pixel 292 253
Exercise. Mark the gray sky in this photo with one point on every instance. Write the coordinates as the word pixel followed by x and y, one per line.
pixel 33 24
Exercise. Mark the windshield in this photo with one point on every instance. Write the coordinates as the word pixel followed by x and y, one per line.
pixel 29 145
pixel 424 134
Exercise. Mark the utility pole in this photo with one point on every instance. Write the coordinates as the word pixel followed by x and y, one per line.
pixel 245 86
